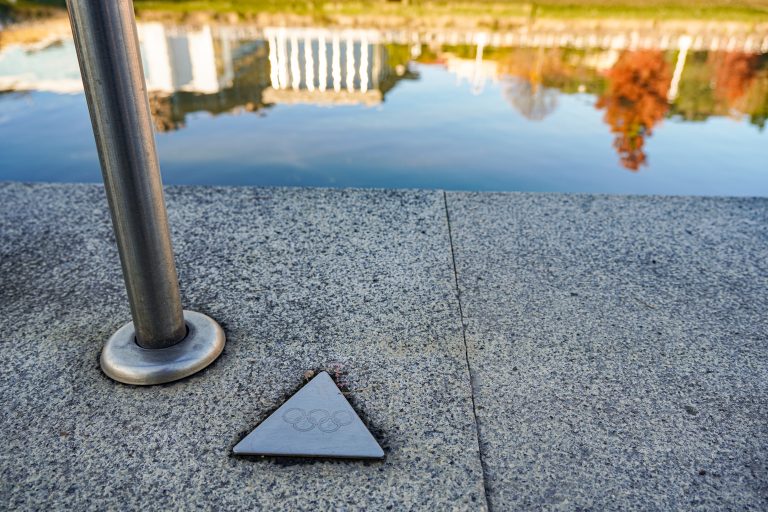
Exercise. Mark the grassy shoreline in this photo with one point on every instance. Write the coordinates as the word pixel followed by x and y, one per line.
pixel 715 10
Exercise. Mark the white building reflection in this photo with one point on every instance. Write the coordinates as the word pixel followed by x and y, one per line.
pixel 306 65
pixel 233 68
pixel 320 66
pixel 184 60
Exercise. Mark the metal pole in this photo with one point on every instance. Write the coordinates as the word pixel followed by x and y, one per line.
pixel 108 51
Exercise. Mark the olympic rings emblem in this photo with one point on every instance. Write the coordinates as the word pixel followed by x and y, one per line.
pixel 325 421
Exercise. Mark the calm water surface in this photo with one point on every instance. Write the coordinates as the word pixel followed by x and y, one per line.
pixel 619 111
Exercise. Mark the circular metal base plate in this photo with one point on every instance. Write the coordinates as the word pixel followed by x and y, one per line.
pixel 123 360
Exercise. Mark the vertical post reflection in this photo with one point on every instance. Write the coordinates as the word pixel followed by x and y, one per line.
pixel 364 64
pixel 309 64
pixel 322 62
pixel 685 44
pixel 274 76
pixel 350 74
pixel 282 58
pixel 295 66
pixel 336 63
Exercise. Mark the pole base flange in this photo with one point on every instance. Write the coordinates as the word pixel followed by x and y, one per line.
pixel 123 360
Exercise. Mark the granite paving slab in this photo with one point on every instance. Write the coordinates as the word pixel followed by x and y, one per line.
pixel 618 349
pixel 359 283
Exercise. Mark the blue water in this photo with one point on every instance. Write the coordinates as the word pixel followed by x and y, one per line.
pixel 431 132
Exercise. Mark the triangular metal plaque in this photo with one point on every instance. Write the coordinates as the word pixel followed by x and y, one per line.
pixel 315 422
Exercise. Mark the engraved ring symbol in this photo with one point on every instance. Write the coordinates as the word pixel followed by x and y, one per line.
pixel 325 421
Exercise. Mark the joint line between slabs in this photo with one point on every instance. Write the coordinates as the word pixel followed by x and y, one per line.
pixel 466 350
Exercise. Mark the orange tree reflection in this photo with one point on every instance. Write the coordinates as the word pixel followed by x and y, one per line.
pixel 635 101
pixel 740 84
pixel 734 74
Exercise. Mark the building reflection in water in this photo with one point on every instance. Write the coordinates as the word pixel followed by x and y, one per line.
pixel 238 68
pixel 638 77
pixel 325 67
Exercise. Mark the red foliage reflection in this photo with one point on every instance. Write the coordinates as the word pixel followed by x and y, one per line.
pixel 635 102
pixel 734 74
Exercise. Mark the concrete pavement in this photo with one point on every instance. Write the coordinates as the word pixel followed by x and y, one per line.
pixel 517 351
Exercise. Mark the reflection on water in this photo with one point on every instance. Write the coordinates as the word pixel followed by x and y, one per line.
pixel 637 75
pixel 233 67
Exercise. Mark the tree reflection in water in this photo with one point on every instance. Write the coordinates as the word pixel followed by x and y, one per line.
pixel 635 102
pixel 531 99
pixel 735 79
pixel 239 68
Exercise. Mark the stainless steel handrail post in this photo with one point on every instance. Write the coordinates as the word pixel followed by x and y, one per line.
pixel 110 63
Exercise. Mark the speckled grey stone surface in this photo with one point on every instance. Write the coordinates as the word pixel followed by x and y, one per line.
pixel 618 348
pixel 299 279
pixel 617 345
